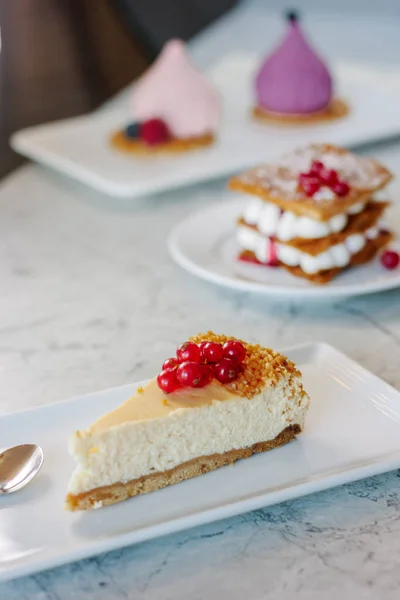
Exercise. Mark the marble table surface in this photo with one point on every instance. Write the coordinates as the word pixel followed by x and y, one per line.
pixel 90 299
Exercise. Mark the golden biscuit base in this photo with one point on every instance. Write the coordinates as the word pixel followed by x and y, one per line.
pixel 337 109
pixel 261 182
pixel 358 223
pixel 365 255
pixel 111 494
pixel 173 146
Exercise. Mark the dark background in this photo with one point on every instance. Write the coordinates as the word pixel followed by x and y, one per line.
pixel 61 58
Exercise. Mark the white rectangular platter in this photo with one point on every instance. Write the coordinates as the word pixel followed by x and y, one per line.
pixel 352 431
pixel 80 148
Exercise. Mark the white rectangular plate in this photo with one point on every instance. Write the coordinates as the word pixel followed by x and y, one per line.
pixel 79 147
pixel 352 431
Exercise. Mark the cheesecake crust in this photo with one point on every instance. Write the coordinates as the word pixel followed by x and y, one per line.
pixel 337 109
pixel 118 492
pixel 174 146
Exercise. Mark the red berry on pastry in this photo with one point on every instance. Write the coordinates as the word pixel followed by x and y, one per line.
pixel 390 259
pixel 190 374
pixel 235 351
pixel 340 188
pixel 170 363
pixel 328 176
pixel 316 167
pixel 154 131
pixel 226 370
pixel 167 380
pixel 211 352
pixel 188 351
pixel 310 184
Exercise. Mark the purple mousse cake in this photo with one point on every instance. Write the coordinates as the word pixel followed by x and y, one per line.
pixel 293 83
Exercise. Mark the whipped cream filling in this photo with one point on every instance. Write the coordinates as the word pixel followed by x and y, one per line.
pixel 337 256
pixel 285 226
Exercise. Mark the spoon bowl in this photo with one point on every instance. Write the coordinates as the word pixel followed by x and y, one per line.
pixel 18 466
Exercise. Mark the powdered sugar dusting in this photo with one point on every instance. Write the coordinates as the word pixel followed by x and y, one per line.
pixel 358 171
pixel 281 179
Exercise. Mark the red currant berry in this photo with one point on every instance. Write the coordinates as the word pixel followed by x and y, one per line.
pixel 212 352
pixel 154 131
pixel 328 176
pixel 340 188
pixel 167 380
pixel 190 374
pixel 201 346
pixel 235 351
pixel 226 370
pixel 310 185
pixel 316 167
pixel 206 375
pixel 304 177
pixel 170 363
pixel 188 351
pixel 390 259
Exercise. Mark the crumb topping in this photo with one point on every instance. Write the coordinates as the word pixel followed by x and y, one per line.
pixel 260 365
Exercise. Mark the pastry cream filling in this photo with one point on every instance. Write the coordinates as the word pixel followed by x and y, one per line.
pixel 286 226
pixel 147 434
pixel 337 256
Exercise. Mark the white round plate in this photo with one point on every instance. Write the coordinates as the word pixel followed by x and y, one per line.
pixel 204 244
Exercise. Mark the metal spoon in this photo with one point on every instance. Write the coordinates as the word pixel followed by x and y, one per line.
pixel 18 466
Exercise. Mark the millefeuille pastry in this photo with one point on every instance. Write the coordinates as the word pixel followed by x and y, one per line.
pixel 218 400
pixel 174 107
pixel 294 85
pixel 313 213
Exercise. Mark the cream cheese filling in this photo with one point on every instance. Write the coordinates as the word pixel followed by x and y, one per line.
pixel 117 450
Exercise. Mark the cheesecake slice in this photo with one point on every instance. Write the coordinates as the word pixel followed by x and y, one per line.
pixel 219 400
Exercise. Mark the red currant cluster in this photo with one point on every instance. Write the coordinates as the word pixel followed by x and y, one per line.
pixel 196 365
pixel 319 176
pixel 152 132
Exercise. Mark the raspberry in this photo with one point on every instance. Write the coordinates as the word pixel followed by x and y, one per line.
pixel 154 132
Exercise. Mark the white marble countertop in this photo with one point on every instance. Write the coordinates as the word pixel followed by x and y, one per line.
pixel 90 299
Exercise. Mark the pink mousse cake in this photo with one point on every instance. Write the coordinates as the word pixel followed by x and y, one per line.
pixel 174 107
pixel 293 82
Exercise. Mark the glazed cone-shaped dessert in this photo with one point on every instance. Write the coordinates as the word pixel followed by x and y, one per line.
pixel 293 79
pixel 176 92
